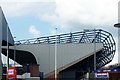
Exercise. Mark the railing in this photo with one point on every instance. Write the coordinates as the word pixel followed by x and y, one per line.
pixel 85 36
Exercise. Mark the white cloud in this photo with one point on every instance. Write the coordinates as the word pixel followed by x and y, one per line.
pixel 74 14
pixel 14 9
pixel 67 14
pixel 33 31
pixel 27 0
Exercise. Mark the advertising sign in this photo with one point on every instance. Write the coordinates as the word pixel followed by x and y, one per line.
pixel 102 75
pixel 11 73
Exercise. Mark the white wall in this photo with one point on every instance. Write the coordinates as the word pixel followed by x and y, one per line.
pixel 66 53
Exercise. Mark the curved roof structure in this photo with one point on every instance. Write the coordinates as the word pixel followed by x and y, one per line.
pixel 87 36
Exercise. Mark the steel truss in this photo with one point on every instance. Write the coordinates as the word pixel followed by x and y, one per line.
pixel 86 36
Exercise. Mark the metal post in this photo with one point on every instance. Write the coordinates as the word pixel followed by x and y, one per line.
pixel 56 55
pixel 7 50
pixel 14 52
pixel 94 52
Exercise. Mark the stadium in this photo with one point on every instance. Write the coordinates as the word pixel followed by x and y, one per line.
pixel 70 56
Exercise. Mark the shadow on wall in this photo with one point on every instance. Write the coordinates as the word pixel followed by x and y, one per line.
pixel 21 57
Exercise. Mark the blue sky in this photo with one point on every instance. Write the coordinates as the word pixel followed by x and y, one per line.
pixel 35 18
pixel 20 27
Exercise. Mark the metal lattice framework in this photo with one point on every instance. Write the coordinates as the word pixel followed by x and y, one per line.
pixel 86 36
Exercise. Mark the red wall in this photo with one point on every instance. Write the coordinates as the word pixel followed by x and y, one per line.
pixel 114 76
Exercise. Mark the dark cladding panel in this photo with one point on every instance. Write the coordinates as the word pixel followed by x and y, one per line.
pixel 67 75
pixel 4 30
pixel 0 25
pixel 0 45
